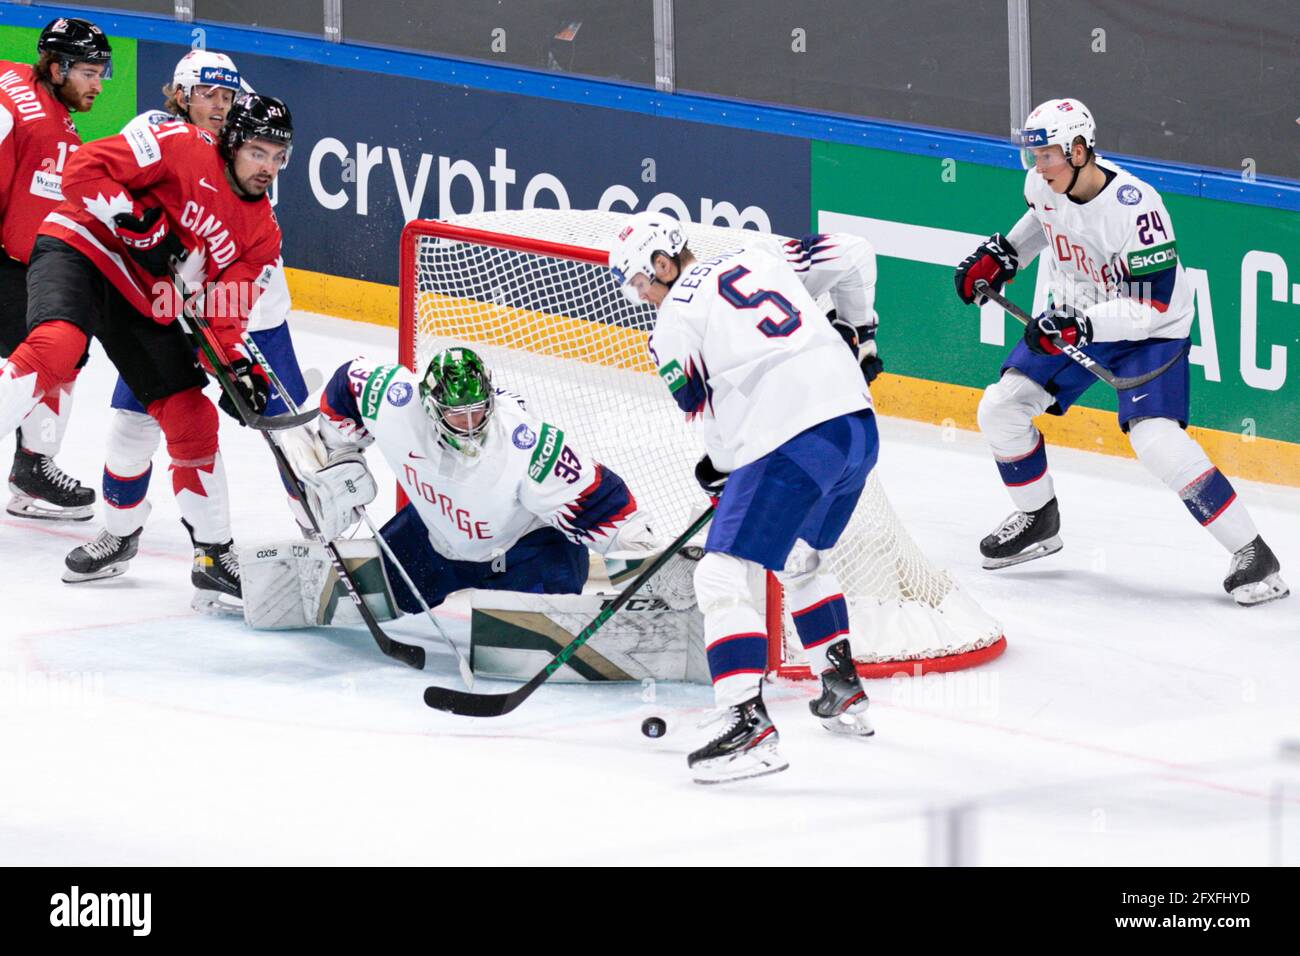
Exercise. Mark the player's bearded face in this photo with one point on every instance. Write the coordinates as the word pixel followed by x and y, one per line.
pixel 256 165
pixel 208 106
pixel 82 83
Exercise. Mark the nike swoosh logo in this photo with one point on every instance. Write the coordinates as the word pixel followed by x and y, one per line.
pixel 411 454
pixel 205 183
pixel 1138 398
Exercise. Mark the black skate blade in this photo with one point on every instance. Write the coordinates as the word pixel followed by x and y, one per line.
pixel 103 574
pixel 1040 549
pixel 36 509
pixel 1272 588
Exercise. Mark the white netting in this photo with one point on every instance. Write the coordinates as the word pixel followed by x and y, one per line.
pixel 557 330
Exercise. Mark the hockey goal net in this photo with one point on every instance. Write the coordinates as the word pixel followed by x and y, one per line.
pixel 531 292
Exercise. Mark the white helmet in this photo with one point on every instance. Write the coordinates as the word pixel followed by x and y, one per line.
pixel 1055 123
pixel 633 251
pixel 205 68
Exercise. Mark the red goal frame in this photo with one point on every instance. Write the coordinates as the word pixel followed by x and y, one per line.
pixel 776 663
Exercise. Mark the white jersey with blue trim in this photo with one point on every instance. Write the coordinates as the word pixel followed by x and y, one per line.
pixel 750 358
pixel 273 303
pixel 526 476
pixel 149 119
pixel 1114 257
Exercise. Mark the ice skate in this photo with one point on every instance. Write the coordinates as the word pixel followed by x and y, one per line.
pixel 1024 536
pixel 842 706
pixel 1253 576
pixel 106 556
pixel 215 576
pixel 746 746
pixel 42 490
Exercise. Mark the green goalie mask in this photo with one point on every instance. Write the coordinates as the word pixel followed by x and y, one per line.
pixel 457 394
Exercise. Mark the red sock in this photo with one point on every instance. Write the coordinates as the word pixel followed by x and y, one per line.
pixel 189 423
pixel 51 350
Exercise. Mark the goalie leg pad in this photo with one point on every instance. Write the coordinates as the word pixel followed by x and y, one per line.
pixel 735 637
pixel 674 583
pixel 292 584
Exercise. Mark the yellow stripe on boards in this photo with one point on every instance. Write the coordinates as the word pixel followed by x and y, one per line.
pixel 355 299
pixel 1091 429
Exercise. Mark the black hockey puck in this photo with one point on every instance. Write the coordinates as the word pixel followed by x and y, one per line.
pixel 654 727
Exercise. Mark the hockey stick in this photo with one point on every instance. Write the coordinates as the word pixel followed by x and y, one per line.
pixel 1118 382
pixel 466 674
pixel 200 333
pixel 494 705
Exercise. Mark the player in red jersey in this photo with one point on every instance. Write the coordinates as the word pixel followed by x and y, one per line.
pixel 135 207
pixel 36 139
pixel 202 90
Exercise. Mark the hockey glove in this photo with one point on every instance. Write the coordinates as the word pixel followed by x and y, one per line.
pixel 1070 324
pixel 634 538
pixel 710 479
pixel 149 240
pixel 861 339
pixel 253 386
pixel 337 490
pixel 994 260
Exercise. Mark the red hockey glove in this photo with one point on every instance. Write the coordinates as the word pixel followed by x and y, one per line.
pixel 149 240
pixel 1070 324
pixel 994 260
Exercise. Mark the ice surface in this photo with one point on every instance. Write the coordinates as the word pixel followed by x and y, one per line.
pixel 1135 718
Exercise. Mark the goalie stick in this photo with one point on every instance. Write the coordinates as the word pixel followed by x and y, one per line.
pixel 1118 382
pixel 199 333
pixel 494 705
pixel 466 674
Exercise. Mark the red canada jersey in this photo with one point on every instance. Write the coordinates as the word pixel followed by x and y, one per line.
pixel 233 243
pixel 36 139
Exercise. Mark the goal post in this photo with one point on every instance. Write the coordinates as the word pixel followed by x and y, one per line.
pixel 530 290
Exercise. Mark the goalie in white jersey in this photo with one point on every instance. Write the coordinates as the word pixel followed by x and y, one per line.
pixel 498 499
pixel 1117 288
pixel 785 417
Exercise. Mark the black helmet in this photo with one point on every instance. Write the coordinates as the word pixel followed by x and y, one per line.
pixel 73 40
pixel 254 116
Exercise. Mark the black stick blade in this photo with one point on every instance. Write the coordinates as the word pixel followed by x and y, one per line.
pixel 470 705
pixel 271 423
pixel 408 654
